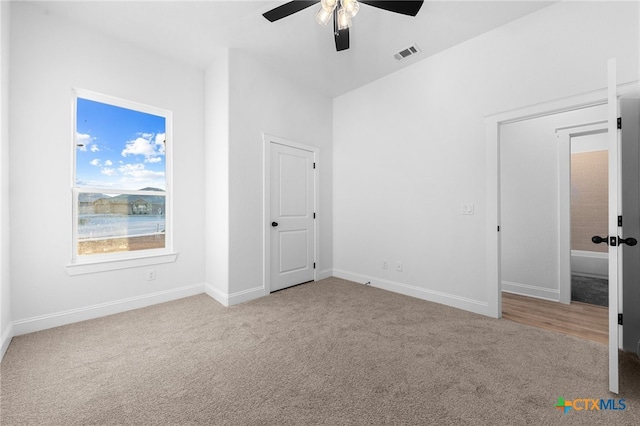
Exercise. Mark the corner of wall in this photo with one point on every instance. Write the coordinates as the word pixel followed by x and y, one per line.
pixel 6 329
pixel 216 160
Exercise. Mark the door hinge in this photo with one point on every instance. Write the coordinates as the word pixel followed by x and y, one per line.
pixel 314 215
pixel 619 319
pixel 619 122
pixel 314 165
pixel 314 265
pixel 498 228
pixel 619 220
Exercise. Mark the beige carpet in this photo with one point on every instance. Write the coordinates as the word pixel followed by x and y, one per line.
pixel 331 353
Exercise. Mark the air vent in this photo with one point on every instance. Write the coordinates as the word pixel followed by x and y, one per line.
pixel 405 53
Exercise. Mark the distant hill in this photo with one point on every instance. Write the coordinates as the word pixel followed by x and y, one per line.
pixel 91 197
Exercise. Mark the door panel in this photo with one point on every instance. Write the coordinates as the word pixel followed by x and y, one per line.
pixel 292 215
pixel 293 250
pixel 630 191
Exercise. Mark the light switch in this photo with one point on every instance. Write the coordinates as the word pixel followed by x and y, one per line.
pixel 467 209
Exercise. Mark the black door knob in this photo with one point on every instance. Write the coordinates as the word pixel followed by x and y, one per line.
pixel 627 241
pixel 598 240
pixel 274 224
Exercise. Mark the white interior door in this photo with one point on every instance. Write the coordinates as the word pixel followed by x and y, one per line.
pixel 292 215
pixel 630 232
pixel 614 212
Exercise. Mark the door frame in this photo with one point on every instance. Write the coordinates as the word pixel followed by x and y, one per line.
pixel 493 123
pixel 268 140
pixel 564 135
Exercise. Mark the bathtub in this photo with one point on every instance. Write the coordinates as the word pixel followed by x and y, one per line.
pixel 590 263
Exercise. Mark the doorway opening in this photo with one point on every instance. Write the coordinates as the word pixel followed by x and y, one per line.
pixel 589 206
pixel 544 204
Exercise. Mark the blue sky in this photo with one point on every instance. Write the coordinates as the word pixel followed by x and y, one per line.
pixel 118 148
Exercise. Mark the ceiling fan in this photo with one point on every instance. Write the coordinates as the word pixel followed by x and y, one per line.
pixel 342 11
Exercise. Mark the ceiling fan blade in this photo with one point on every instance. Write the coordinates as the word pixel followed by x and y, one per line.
pixel 409 7
pixel 287 9
pixel 342 39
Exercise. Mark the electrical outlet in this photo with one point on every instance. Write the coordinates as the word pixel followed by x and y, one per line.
pixel 385 264
pixel 399 266
pixel 151 274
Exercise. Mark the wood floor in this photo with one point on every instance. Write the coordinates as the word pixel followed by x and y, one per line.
pixel 585 321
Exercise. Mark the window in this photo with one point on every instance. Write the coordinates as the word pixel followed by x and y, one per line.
pixel 121 181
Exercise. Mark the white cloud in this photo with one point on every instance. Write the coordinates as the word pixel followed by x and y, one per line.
pixel 108 171
pixel 153 160
pixel 138 172
pixel 94 148
pixel 130 168
pixel 95 162
pixel 147 144
pixel 83 140
pixel 160 142
pixel 136 176
pixel 108 163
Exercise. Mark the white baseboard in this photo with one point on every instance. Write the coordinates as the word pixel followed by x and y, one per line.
pixel 5 340
pixel 531 291
pixel 233 298
pixel 327 273
pixel 217 295
pixel 471 305
pixel 43 322
pixel 245 295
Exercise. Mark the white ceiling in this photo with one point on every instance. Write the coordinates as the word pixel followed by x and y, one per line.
pixel 296 46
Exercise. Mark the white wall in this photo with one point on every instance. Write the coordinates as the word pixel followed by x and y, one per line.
pixel 410 148
pixel 217 178
pixel 529 183
pixel 263 101
pixel 244 100
pixel 5 285
pixel 48 58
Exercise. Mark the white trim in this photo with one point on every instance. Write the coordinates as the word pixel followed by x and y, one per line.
pixel 471 305
pixel 326 273
pixel 531 291
pixel 613 136
pixel 233 298
pixel 6 340
pixel 245 295
pixel 217 295
pixel 168 190
pixel 493 123
pixel 115 264
pixel 268 139
pixel 56 319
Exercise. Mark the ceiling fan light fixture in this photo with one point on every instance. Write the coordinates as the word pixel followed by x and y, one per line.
pixel 351 7
pixel 329 5
pixel 323 16
pixel 344 19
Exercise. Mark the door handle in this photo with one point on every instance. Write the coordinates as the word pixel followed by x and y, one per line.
pixel 598 240
pixel 274 224
pixel 628 241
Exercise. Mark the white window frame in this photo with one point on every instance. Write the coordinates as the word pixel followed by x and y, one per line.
pixel 85 264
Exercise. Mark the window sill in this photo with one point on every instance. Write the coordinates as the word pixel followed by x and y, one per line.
pixel 92 267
